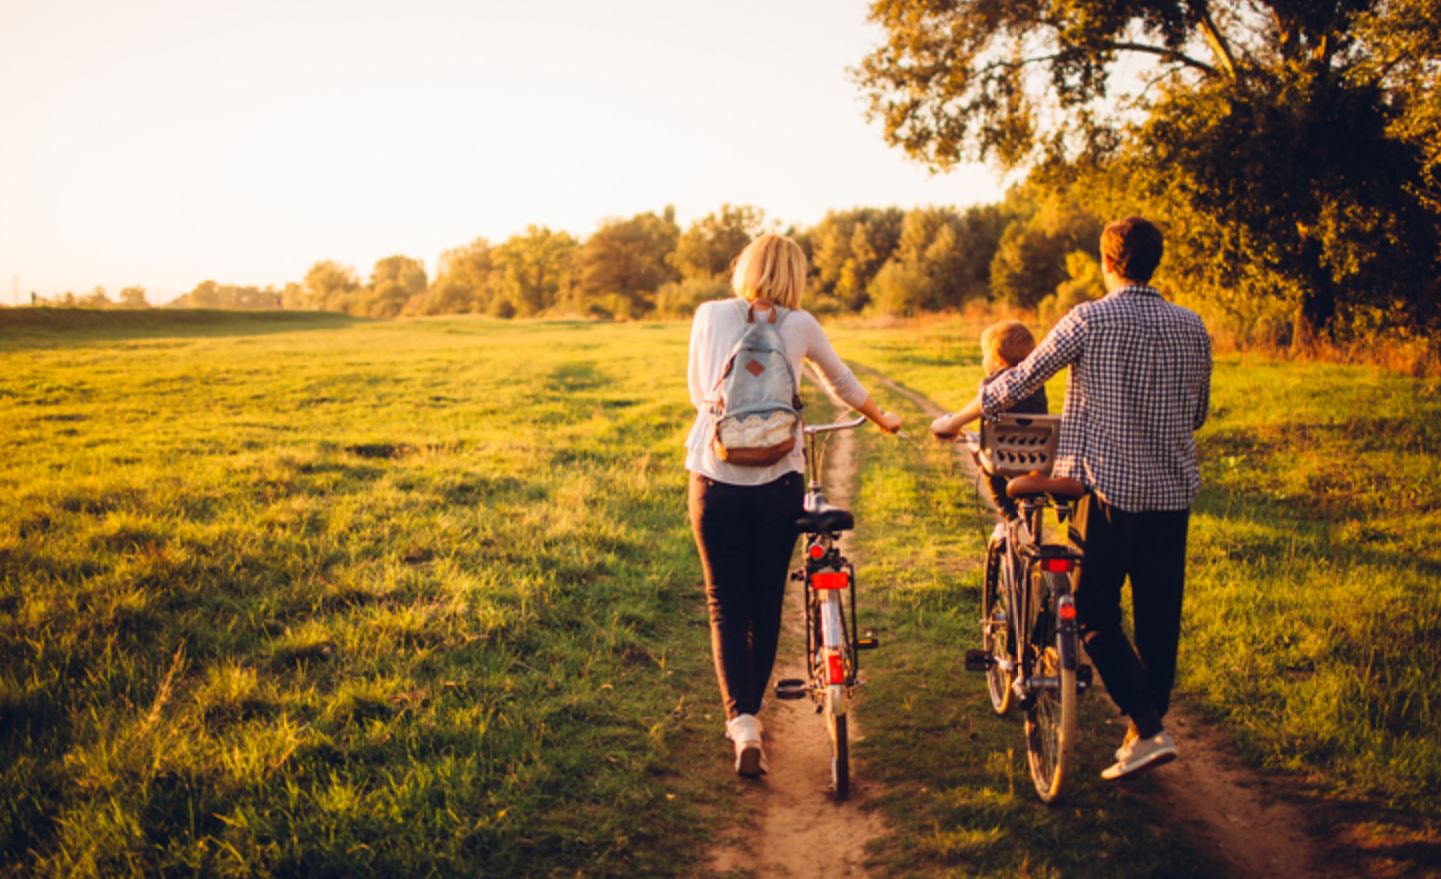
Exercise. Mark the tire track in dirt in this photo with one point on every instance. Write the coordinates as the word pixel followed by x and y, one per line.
pixel 1206 789
pixel 799 830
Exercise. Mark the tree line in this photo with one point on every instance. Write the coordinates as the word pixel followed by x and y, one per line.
pixel 877 260
pixel 1289 149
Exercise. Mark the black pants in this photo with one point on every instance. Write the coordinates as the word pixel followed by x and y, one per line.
pixel 1150 547
pixel 745 535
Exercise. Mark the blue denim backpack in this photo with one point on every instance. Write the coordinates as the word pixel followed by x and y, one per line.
pixel 755 410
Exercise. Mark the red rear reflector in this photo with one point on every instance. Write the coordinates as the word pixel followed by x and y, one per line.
pixel 816 550
pixel 835 668
pixel 1067 610
pixel 830 580
pixel 1057 566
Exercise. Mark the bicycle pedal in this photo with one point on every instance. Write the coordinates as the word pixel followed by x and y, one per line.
pixel 870 642
pixel 790 688
pixel 979 660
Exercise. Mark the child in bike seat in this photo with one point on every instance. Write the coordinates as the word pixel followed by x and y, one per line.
pixel 1003 345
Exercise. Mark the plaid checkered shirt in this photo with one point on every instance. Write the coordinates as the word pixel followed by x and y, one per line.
pixel 1140 385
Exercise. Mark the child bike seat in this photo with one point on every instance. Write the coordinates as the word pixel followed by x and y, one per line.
pixel 825 518
pixel 1035 484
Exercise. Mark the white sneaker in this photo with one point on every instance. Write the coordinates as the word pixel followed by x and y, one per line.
pixel 1140 755
pixel 745 731
pixel 744 726
pixel 1131 735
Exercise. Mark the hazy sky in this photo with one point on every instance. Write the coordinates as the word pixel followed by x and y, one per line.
pixel 164 142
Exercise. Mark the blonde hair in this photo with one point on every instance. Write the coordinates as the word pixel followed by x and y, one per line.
pixel 1009 341
pixel 772 268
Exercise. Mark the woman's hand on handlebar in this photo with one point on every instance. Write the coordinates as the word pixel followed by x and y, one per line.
pixel 887 421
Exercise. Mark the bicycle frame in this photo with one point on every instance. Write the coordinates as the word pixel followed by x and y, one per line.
pixel 832 640
pixel 826 573
pixel 1028 619
pixel 823 557
pixel 1027 552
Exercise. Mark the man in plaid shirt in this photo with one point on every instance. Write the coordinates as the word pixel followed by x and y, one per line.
pixel 1139 387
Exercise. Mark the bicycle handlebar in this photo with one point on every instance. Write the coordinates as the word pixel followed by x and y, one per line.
pixel 839 425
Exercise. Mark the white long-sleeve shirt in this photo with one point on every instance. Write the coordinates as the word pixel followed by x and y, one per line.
pixel 716 329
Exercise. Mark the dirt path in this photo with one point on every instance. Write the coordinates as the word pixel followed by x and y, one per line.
pixel 1208 790
pixel 799 830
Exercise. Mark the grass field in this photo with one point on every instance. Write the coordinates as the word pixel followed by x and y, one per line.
pixel 298 595
pixel 1313 608
pixel 346 599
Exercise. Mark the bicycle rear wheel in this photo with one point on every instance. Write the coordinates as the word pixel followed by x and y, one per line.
pixel 1051 715
pixel 836 648
pixel 840 753
pixel 996 637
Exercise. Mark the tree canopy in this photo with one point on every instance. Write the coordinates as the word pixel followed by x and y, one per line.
pixel 1291 143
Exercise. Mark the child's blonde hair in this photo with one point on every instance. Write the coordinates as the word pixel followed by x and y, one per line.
pixel 1008 341
pixel 771 268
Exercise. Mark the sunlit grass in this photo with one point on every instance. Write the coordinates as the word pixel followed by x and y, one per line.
pixel 363 598
pixel 314 596
pixel 1313 604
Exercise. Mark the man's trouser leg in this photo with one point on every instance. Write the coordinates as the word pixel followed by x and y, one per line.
pixel 1158 576
pixel 1107 536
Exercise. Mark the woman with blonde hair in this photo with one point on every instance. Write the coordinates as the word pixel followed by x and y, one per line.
pixel 743 515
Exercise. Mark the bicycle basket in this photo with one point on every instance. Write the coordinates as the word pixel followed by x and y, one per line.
pixel 1015 445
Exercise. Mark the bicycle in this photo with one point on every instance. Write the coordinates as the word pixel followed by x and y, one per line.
pixel 1030 647
pixel 832 641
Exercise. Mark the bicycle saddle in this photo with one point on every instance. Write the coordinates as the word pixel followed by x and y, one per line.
pixel 825 518
pixel 1035 483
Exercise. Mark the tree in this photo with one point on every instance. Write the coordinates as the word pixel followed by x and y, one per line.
pixel 330 286
pixel 1046 223
pixel 209 294
pixel 709 247
pixel 1275 135
pixel 919 273
pixel 96 298
pixel 133 297
pixel 533 271
pixel 292 296
pixel 1403 35
pixel 393 281
pixel 629 259
pixel 464 282
pixel 849 248
pixel 682 298
pixel 1083 283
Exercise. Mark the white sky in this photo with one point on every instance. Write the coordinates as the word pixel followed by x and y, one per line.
pixel 164 142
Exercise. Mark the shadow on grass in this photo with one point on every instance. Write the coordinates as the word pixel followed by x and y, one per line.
pixel 62 327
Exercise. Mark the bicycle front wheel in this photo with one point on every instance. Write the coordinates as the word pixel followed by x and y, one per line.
pixel 996 637
pixel 1051 716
